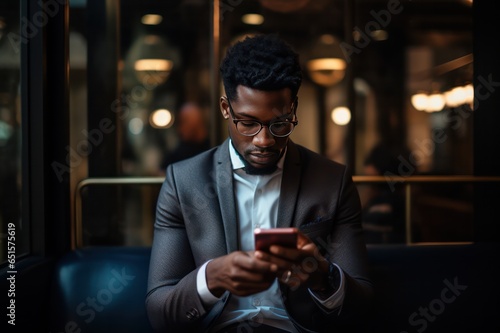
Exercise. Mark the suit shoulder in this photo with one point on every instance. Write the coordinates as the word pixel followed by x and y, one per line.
pixel 196 164
pixel 316 160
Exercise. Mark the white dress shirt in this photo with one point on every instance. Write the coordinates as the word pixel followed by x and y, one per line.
pixel 257 198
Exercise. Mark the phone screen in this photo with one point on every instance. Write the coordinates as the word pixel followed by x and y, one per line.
pixel 264 238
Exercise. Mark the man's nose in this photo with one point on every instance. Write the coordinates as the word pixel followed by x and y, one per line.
pixel 264 138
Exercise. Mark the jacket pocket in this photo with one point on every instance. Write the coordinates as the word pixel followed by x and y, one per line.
pixel 320 228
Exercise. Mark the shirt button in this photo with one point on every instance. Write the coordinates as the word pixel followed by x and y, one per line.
pixel 257 225
pixel 256 302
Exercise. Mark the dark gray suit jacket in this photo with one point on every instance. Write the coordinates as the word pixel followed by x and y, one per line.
pixel 196 221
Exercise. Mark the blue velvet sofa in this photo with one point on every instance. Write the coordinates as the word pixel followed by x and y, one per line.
pixel 432 288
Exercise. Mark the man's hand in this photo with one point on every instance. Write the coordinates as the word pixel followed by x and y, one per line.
pixel 241 273
pixel 301 266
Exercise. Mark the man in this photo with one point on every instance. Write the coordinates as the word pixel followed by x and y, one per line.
pixel 205 275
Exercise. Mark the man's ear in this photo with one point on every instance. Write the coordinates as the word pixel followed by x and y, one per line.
pixel 224 107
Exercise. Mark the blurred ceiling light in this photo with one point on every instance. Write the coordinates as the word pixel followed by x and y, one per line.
pixel 419 101
pixel 327 39
pixel 252 19
pixel 459 96
pixel 455 97
pixel 469 93
pixel 135 126
pixel 151 19
pixel 153 60
pixel 428 103
pixel 341 115
pixel 379 35
pixel 161 118
pixel 326 71
pixel 326 65
pixel 162 65
pixel 152 72
pixel 436 102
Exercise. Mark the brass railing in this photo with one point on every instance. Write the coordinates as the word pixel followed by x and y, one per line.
pixel 78 227
pixel 407 182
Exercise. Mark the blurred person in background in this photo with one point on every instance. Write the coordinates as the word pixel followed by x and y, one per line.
pixel 193 134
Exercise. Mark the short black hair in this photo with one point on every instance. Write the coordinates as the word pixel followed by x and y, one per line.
pixel 263 62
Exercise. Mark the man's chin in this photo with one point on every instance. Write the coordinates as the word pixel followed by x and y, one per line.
pixel 255 168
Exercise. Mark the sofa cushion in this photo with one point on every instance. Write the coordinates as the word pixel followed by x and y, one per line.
pixel 101 289
pixel 435 288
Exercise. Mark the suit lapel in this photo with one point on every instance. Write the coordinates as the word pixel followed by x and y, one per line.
pixel 225 192
pixel 289 186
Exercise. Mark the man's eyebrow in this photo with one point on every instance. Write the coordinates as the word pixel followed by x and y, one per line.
pixel 243 114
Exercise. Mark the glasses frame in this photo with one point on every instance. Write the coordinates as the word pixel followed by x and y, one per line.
pixel 293 111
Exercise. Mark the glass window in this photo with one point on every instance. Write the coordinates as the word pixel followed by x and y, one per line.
pixel 13 231
pixel 165 83
pixel 160 114
pixel 412 63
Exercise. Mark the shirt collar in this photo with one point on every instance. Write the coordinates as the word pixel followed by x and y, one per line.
pixel 238 164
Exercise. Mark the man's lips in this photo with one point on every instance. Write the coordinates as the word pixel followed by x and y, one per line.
pixel 263 157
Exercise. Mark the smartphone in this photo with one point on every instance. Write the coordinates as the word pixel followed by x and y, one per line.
pixel 264 238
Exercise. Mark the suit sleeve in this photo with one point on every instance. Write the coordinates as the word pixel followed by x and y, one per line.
pixel 348 251
pixel 344 246
pixel 172 301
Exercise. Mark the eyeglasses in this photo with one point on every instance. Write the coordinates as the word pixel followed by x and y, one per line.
pixel 278 128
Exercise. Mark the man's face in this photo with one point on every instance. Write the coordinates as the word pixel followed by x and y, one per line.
pixel 262 150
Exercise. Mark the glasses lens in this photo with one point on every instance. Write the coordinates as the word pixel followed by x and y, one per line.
pixel 281 128
pixel 248 128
